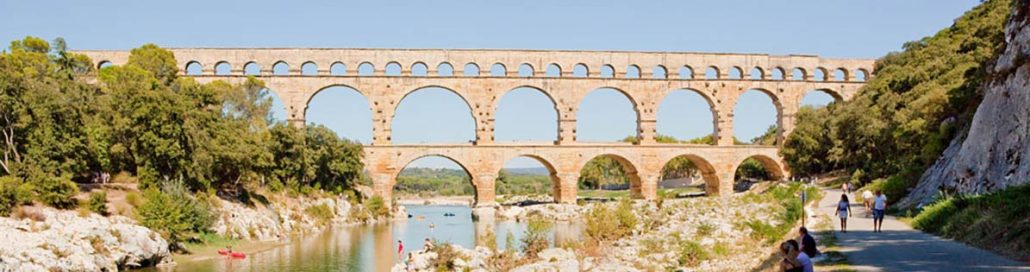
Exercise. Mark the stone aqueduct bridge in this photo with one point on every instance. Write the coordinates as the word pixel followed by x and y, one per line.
pixel 386 76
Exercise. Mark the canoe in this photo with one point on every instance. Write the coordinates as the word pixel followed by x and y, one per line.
pixel 238 255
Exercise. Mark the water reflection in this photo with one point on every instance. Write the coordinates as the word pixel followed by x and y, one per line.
pixel 374 248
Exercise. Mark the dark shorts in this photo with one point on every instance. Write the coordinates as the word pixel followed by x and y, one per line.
pixel 878 214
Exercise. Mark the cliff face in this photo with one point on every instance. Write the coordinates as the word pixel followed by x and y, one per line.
pixel 996 151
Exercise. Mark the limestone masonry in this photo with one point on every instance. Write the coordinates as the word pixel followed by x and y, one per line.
pixel 482 77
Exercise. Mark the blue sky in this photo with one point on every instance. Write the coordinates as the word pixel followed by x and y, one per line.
pixel 865 29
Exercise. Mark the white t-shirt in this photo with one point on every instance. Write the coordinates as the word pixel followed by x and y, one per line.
pixel 880 202
pixel 867 195
pixel 806 262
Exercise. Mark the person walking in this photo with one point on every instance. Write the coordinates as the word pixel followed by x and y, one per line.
pixel 400 249
pixel 867 199
pixel 879 210
pixel 843 210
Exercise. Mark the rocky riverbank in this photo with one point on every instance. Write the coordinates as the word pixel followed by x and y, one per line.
pixel 704 234
pixel 41 239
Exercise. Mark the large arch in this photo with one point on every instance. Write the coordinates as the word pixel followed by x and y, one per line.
pixel 772 171
pixel 590 127
pixel 501 116
pixel 703 167
pixel 666 111
pixel 738 116
pixel 819 97
pixel 346 109
pixel 411 160
pixel 430 126
pixel 628 168
pixel 552 173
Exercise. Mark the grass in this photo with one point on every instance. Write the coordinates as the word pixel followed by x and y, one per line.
pixel 602 193
pixel 996 221
pixel 835 260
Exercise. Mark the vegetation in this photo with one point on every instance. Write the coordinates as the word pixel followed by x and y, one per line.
pixel 65 122
pixel 601 228
pixel 521 183
pixel 174 213
pixel 320 212
pixel 536 236
pixel 997 221
pixel 98 202
pixel 434 182
pixel 788 212
pixel 901 121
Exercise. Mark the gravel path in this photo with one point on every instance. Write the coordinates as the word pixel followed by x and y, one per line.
pixel 901 248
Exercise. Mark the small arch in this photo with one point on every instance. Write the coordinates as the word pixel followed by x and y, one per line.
pixel 498 70
pixel 840 74
pixel 757 73
pixel 659 72
pixel 820 74
pixel 366 69
pixel 553 70
pixel 736 73
pixel 537 176
pixel 777 74
pixel 798 74
pixel 252 69
pixel 712 72
pixel 471 70
pixel 607 71
pixel 608 172
pixel 338 69
pixel 419 69
pixel 309 69
pixel 445 69
pixel 754 169
pixel 580 70
pixel 633 71
pixel 104 64
pixel 223 68
pixel 683 173
pixel 393 69
pixel 193 68
pixel 861 74
pixel 526 70
pixel 438 165
pixel 280 68
pixel 686 72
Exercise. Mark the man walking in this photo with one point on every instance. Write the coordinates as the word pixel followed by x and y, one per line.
pixel 879 209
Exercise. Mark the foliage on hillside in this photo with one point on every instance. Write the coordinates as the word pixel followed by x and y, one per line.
pixel 997 221
pixel 65 121
pixel 901 121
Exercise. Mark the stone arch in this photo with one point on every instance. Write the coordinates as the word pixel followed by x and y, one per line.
pixel 498 70
pixel 526 70
pixel 686 72
pixel 393 68
pixel 471 69
pixel 704 168
pixel 552 172
pixel 633 71
pixel 104 64
pixel 309 68
pixel 365 125
pixel 252 68
pixel 629 97
pixel 445 69
pixel 861 75
pixel 550 97
pixel 756 73
pixel 553 70
pixel 704 96
pixel 410 159
pixel 280 68
pixel 464 98
pixel 419 69
pixel 193 68
pixel 659 72
pixel 338 69
pixel 771 165
pixel 607 71
pixel 307 102
pixel 777 105
pixel 735 73
pixel 777 73
pixel 712 72
pixel 820 74
pixel 223 68
pixel 366 69
pixel 632 174
pixel 580 70
pixel 841 74
pixel 837 97
pixel 798 74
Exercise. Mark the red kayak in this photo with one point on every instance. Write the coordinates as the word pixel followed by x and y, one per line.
pixel 239 255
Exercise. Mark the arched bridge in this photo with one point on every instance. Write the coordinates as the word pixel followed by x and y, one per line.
pixel 481 77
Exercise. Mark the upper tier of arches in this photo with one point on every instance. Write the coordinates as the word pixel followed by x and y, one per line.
pixel 470 63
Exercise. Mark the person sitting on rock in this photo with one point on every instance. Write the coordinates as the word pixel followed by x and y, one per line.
pixel 428 245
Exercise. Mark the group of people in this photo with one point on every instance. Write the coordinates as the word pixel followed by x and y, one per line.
pixel 797 256
pixel 410 262
pixel 874 204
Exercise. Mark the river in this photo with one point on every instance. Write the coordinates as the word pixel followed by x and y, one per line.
pixel 374 247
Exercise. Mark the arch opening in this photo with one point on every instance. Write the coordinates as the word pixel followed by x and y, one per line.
pixel 608 177
pixel 757 73
pixel 433 115
pixel 633 71
pixel 526 70
pixel 607 115
pixel 527 175
pixel 309 69
pixel 366 69
pixel 735 73
pixel 445 69
pixel 471 70
pixel 688 176
pixel 419 69
pixel 840 74
pixel 861 74
pixel 712 72
pixel 280 68
pixel 580 70
pixel 277 112
pixel 659 72
pixel 193 68
pixel 797 74
pixel 393 69
pixel 819 74
pixel 338 69
pixel 104 64
pixel 607 71
pixel 686 72
pixel 776 74
pixel 553 70
pixel 431 176
pixel 252 69
pixel 343 110
pixel 527 115
pixel 756 169
pixel 498 70
pixel 686 116
pixel 223 68
pixel 755 118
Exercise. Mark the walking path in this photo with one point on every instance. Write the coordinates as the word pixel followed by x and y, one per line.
pixel 901 248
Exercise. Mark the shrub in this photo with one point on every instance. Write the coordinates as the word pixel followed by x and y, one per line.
pixel 320 212
pixel 98 202
pixel 690 253
pixel 378 207
pixel 705 229
pixel 536 236
pixel 9 196
pixel 173 212
pixel 445 257
pixel 599 225
pixel 133 198
pixel 627 219
pixel 56 192
pixel 30 213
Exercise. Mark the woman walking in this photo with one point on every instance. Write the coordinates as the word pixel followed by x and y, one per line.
pixel 843 209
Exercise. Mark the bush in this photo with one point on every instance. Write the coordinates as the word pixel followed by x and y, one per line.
pixel 98 202
pixel 57 192
pixel 378 207
pixel 536 236
pixel 133 198
pixel 627 219
pixel 997 221
pixel 445 257
pixel 9 195
pixel 599 225
pixel 894 187
pixel 320 212
pixel 173 213
pixel 690 253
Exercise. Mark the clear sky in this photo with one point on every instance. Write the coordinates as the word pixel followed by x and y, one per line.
pixel 863 29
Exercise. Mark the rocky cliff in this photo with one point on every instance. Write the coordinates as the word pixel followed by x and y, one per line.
pixel 991 155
